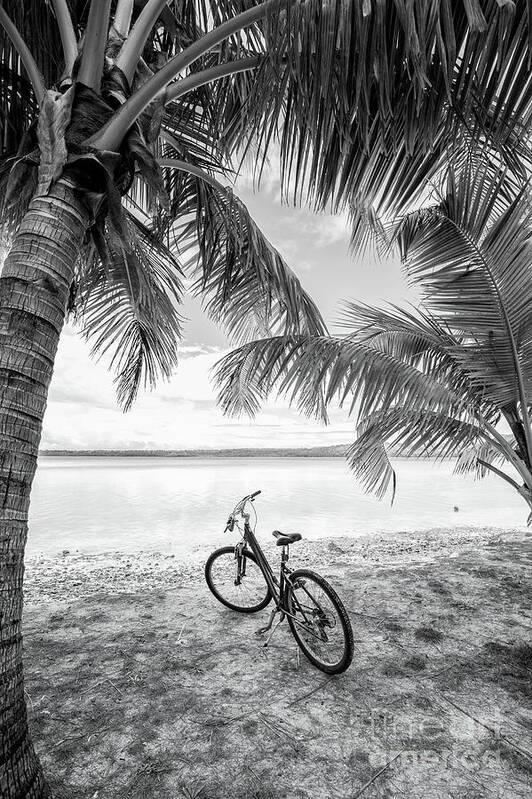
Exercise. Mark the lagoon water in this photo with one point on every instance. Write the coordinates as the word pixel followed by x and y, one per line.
pixel 176 505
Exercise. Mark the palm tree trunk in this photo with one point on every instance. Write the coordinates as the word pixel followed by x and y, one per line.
pixel 34 289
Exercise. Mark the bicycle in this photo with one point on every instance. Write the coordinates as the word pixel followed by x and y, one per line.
pixel 242 579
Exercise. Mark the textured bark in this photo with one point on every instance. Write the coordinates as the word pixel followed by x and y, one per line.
pixel 34 289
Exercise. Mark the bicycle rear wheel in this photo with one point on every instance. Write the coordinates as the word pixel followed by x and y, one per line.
pixel 319 621
pixel 245 592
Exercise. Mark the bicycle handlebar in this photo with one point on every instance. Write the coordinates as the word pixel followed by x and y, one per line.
pixel 239 508
pixel 248 498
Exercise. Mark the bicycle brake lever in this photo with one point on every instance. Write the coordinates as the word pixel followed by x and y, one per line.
pixel 230 525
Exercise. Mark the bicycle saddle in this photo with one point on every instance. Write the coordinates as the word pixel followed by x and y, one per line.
pixel 286 538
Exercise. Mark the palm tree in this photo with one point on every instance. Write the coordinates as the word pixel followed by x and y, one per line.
pixel 438 378
pixel 121 123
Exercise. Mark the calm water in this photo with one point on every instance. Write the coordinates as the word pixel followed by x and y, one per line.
pixel 176 505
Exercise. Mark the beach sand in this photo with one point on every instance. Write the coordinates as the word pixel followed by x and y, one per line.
pixel 141 685
pixel 71 575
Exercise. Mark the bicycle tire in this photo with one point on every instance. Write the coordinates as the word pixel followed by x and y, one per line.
pixel 257 584
pixel 306 606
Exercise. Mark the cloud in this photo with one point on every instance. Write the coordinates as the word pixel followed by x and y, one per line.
pixel 78 377
pixel 192 350
pixel 297 232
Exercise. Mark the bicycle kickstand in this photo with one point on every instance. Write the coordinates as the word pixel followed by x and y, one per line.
pixel 263 630
pixel 269 625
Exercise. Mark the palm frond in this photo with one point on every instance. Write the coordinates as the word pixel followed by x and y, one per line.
pixel 128 308
pixel 476 460
pixel 366 100
pixel 245 284
pixel 409 431
pixel 314 371
pixel 248 374
pixel 18 105
pixel 418 338
pixel 417 180
pixel 472 256
pixel 370 463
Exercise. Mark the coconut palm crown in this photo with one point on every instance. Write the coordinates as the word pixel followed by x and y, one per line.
pixel 435 379
pixel 122 126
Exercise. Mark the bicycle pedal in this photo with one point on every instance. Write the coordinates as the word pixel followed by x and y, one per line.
pixel 261 630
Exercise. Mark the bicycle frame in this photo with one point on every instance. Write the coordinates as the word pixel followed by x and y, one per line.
pixel 276 586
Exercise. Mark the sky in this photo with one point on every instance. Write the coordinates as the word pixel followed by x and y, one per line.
pixel 82 410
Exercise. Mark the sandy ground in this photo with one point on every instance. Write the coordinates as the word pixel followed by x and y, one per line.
pixel 71 575
pixel 141 685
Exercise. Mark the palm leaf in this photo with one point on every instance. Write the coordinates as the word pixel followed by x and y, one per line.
pixel 472 255
pixel 477 459
pixel 245 284
pixel 406 88
pixel 414 337
pixel 406 431
pixel 128 308
pixel 313 372
pixel 399 375
pixel 18 106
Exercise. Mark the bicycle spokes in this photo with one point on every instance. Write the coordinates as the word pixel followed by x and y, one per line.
pixel 315 621
pixel 237 586
pixel 310 609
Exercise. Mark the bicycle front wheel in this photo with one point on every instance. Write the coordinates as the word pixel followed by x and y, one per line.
pixel 319 621
pixel 242 589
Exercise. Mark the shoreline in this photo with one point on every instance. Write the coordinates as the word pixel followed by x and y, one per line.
pixel 332 451
pixel 73 575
